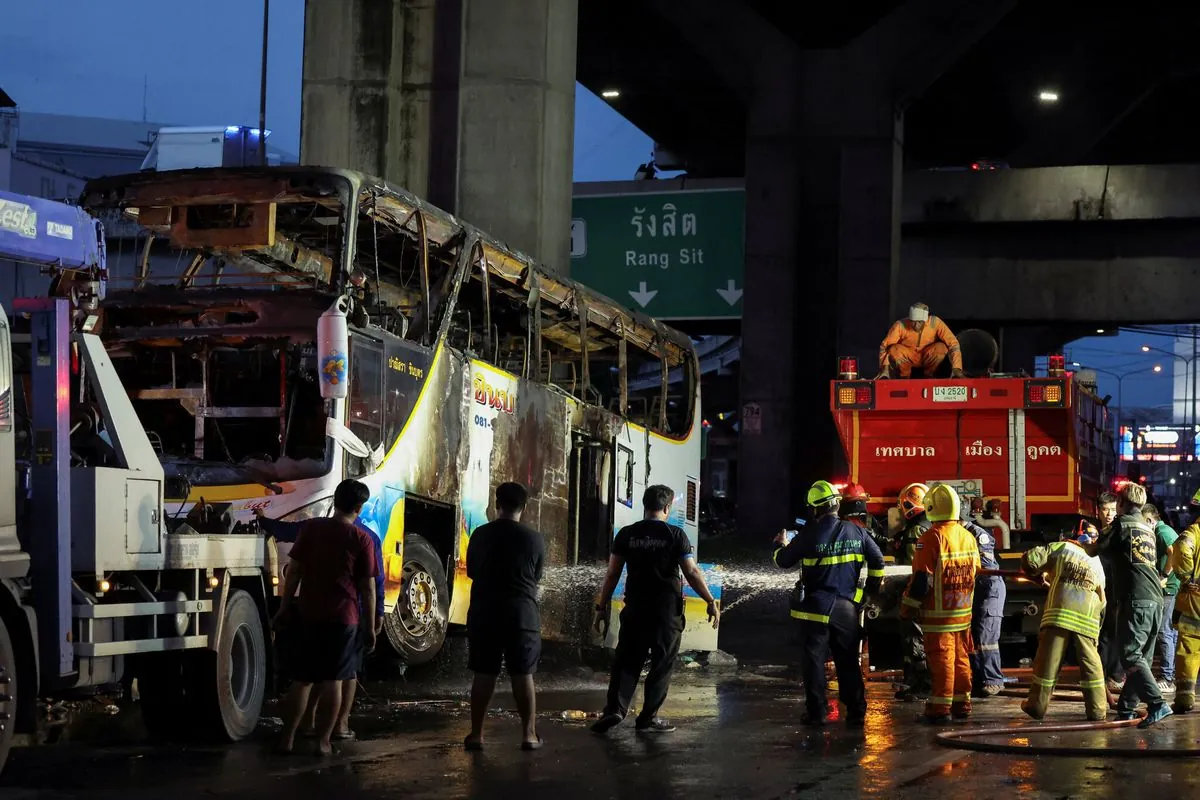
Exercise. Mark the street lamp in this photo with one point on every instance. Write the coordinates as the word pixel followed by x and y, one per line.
pixel 1189 423
pixel 1187 420
pixel 1120 378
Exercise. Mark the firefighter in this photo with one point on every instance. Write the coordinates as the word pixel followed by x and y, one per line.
pixel 831 557
pixel 920 341
pixel 1072 614
pixel 1185 562
pixel 1137 593
pixel 912 508
pixel 854 508
pixel 986 677
pixel 916 669
pixel 942 591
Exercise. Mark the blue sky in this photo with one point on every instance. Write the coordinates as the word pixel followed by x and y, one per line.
pixel 1122 354
pixel 199 64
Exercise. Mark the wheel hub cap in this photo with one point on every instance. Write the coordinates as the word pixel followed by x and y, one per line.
pixel 422 597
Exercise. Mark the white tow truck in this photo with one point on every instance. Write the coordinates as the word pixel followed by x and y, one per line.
pixel 97 584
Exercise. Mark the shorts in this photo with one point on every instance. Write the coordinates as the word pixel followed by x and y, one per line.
pixel 323 651
pixel 519 650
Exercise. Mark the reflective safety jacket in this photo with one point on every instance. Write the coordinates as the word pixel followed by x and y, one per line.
pixel 1073 602
pixel 942 585
pixel 990 592
pixel 831 556
pixel 1185 561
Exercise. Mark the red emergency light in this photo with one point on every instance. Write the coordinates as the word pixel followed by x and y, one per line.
pixel 1056 365
pixel 848 368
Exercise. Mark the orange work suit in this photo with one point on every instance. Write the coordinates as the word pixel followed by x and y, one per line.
pixel 942 591
pixel 906 348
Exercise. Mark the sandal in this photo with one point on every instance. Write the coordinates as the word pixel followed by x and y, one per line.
pixel 472 745
pixel 344 736
pixel 533 745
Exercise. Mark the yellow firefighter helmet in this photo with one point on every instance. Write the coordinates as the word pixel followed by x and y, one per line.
pixel 942 503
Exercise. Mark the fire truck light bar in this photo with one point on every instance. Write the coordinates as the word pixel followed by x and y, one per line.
pixel 855 395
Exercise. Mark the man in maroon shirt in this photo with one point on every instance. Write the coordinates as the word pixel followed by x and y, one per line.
pixel 335 561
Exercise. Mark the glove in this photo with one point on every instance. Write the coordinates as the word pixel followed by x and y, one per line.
pixel 600 622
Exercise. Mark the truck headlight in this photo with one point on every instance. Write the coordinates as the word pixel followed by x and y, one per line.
pixel 314 510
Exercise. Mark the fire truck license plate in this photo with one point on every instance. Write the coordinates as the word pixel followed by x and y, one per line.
pixel 949 394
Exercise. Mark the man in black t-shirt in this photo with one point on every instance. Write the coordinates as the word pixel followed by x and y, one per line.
pixel 654 553
pixel 504 562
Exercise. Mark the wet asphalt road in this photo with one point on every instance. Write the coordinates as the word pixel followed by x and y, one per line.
pixel 739 737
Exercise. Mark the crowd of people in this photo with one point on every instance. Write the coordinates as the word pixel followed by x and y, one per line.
pixel 1115 592
pixel 325 632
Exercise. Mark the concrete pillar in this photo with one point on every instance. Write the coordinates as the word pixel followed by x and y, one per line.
pixel 823 167
pixel 824 161
pixel 468 103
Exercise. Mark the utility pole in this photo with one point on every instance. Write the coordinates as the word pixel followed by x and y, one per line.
pixel 1187 490
pixel 262 90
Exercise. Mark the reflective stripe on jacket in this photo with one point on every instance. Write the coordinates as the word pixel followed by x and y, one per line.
pixel 831 557
pixel 1072 602
pixel 1186 565
pixel 942 585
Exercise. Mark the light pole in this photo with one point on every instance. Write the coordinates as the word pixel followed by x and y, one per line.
pixel 262 89
pixel 1189 421
pixel 1120 378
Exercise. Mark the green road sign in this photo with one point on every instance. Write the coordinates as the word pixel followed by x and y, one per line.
pixel 671 254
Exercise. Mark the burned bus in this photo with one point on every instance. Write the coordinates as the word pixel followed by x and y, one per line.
pixel 469 365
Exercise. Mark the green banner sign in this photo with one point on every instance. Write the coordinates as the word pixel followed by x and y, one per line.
pixel 672 255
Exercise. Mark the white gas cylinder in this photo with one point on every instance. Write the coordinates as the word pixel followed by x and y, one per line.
pixel 333 351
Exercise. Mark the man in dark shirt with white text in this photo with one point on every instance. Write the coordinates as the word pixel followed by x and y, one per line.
pixel 655 553
pixel 504 562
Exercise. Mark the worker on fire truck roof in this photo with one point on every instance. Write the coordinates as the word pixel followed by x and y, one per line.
pixel 922 341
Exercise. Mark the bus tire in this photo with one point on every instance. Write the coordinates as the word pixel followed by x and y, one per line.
pixel 8 693
pixel 233 679
pixel 416 628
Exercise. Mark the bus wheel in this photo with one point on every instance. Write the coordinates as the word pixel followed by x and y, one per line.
pixel 8 693
pixel 416 628
pixel 234 678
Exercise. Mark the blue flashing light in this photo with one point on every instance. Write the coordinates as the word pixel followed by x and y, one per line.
pixel 251 131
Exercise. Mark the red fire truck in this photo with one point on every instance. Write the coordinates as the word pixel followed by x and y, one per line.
pixel 1041 446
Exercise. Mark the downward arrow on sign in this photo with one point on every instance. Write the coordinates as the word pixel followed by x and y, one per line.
pixel 642 296
pixel 731 294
